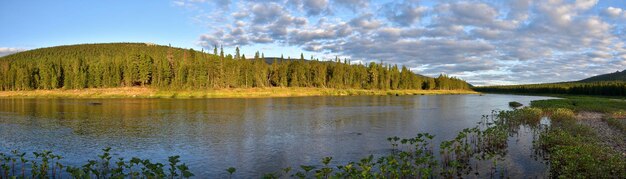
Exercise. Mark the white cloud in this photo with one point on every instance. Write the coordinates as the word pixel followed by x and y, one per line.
pixel 524 41
pixel 405 13
pixel 615 12
pixel 8 50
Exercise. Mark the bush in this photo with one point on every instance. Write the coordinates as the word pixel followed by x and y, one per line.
pixel 515 104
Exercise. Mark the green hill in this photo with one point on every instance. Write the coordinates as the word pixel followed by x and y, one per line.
pixel 143 64
pixel 616 76
pixel 612 84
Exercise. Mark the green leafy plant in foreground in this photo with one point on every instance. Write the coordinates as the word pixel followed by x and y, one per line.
pixel 46 164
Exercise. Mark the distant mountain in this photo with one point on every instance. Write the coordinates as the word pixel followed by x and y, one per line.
pixel 616 76
pixel 611 84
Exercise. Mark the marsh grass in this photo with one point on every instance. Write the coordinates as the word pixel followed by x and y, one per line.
pixel 577 104
pixel 575 152
pixel 526 115
pixel 562 115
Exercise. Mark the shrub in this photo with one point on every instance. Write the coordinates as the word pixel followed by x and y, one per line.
pixel 515 104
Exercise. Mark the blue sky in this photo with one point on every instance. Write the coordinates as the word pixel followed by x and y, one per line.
pixel 482 41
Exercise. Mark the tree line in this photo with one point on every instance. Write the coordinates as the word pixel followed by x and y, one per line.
pixel 139 64
pixel 602 88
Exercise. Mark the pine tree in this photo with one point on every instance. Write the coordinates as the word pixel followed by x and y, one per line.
pixel 221 52
pixel 113 65
pixel 237 56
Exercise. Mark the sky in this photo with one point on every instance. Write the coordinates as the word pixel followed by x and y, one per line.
pixel 486 42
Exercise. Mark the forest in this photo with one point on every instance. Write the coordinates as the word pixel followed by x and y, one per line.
pixel 164 67
pixel 600 88
pixel 616 76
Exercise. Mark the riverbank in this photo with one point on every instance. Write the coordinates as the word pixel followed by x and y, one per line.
pixel 586 137
pixel 142 92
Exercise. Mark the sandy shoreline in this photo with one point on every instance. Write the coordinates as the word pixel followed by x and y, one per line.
pixel 142 92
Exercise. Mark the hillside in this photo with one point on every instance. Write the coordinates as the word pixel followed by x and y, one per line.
pixel 616 76
pixel 612 84
pixel 149 65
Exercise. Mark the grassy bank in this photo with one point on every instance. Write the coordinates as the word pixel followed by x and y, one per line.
pixel 583 103
pixel 585 138
pixel 139 92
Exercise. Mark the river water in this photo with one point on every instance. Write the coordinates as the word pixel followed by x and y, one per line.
pixel 256 136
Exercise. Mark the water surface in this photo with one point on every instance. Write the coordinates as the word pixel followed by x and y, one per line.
pixel 256 136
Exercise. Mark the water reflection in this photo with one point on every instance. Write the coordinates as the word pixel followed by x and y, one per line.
pixel 254 135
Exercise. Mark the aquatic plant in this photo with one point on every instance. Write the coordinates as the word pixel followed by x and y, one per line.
pixel 525 116
pixel 230 171
pixel 574 152
pixel 46 164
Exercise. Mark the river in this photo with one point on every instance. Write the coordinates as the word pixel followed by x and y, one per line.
pixel 256 136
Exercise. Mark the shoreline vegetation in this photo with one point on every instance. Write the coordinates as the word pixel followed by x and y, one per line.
pixel 597 88
pixel 586 138
pixel 146 92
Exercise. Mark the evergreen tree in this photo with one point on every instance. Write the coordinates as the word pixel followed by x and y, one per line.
pixel 136 64
pixel 237 56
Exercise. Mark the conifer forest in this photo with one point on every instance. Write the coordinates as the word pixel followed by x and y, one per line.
pixel 164 67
